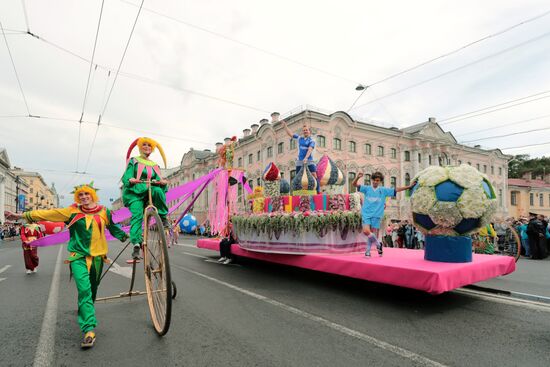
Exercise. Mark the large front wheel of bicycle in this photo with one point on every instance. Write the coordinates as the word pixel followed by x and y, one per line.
pixel 158 281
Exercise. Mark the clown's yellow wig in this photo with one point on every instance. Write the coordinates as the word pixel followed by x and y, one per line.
pixel 89 188
pixel 143 140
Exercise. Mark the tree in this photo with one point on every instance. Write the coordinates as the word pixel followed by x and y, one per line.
pixel 516 165
pixel 521 164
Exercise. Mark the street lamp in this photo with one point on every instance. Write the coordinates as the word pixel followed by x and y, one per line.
pixel 361 87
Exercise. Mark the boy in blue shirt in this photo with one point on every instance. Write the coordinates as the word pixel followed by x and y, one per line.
pixel 374 205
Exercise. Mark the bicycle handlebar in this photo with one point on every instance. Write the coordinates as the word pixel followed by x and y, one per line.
pixel 152 182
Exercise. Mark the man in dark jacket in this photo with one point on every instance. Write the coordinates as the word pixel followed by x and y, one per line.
pixel 536 233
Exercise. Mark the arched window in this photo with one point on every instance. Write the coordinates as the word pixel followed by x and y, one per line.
pixel 292 144
pixel 393 153
pixel 393 181
pixel 352 147
pixel 407 179
pixel 337 144
pixel 380 151
pixel 368 149
pixel 407 156
pixel 321 141
pixel 367 179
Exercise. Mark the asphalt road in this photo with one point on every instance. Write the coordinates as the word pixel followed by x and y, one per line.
pixel 258 314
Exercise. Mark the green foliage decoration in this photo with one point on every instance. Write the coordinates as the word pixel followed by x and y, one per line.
pixel 297 223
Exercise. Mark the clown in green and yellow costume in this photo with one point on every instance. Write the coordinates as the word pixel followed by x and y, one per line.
pixel 135 194
pixel 87 222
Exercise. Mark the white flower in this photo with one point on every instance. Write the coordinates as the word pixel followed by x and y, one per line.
pixel 445 214
pixel 465 176
pixel 432 176
pixel 355 201
pixel 473 202
pixel 423 199
pixel 487 217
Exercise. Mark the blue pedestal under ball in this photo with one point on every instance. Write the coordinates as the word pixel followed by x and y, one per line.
pixel 448 249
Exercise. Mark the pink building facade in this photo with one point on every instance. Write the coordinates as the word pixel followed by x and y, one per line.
pixel 355 147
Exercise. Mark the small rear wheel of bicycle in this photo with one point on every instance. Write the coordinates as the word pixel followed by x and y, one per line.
pixel 158 282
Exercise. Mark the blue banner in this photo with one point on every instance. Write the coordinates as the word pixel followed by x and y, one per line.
pixel 21 202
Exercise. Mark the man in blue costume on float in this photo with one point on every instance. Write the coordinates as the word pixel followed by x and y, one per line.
pixel 373 207
pixel 306 144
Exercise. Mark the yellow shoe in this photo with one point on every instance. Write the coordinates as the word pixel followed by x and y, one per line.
pixel 89 340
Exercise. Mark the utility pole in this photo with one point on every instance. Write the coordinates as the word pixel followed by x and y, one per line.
pixel 17 180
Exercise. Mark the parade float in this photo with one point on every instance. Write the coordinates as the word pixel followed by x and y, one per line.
pixel 323 231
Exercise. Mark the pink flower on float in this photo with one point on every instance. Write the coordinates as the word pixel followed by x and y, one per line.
pixel 306 214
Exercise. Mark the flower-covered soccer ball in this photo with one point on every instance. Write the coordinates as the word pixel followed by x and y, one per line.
pixel 452 201
pixel 188 223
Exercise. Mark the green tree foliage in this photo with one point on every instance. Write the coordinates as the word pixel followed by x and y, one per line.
pixel 522 163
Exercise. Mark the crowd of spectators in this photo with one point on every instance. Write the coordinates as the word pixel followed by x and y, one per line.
pixel 533 231
pixel 9 231
pixel 402 234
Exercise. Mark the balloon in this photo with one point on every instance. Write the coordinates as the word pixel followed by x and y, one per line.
pixel 188 223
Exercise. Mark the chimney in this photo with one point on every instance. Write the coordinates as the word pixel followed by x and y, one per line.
pixel 254 128
pixel 275 117
pixel 226 140
pixel 246 132
pixel 264 121
pixel 431 120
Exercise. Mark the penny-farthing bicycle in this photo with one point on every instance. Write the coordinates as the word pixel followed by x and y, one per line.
pixel 159 288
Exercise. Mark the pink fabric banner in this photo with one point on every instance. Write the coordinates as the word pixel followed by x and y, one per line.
pixel 224 195
pixel 182 192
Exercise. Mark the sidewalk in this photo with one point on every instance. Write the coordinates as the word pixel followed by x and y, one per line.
pixel 531 277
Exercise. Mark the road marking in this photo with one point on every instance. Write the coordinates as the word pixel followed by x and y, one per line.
pixel 44 354
pixel 3 269
pixel 184 245
pixel 504 300
pixel 192 254
pixel 417 358
pixel 125 271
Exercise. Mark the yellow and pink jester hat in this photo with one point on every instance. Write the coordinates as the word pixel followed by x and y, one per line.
pixel 140 141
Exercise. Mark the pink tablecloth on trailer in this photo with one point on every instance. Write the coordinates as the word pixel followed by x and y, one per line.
pixel 401 267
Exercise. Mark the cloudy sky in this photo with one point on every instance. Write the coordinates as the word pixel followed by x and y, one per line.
pixel 198 71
